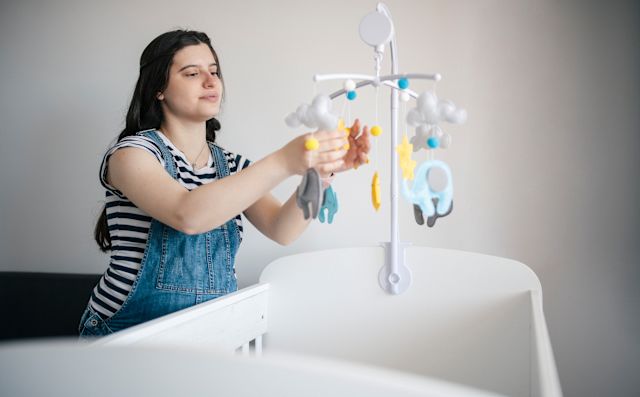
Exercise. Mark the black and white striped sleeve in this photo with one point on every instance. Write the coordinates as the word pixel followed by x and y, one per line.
pixel 136 141
pixel 236 162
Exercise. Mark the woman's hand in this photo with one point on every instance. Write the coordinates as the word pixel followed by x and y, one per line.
pixel 327 179
pixel 359 147
pixel 327 158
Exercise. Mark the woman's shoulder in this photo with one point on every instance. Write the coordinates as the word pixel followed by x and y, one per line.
pixel 142 139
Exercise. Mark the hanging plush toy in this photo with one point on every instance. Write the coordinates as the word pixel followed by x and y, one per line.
pixel 309 194
pixel 426 117
pixel 329 205
pixel 433 203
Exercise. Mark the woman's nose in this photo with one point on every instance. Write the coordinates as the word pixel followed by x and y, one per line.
pixel 211 80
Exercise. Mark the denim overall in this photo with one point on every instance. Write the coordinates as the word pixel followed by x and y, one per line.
pixel 177 270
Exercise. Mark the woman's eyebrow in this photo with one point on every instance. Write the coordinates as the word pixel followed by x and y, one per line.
pixel 194 66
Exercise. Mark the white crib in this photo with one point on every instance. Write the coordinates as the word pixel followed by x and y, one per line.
pixel 319 324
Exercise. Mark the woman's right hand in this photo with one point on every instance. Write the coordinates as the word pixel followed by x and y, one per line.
pixel 326 159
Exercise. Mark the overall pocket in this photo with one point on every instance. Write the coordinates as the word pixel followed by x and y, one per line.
pixel 193 263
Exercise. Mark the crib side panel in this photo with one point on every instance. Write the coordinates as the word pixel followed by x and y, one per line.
pixel 466 318
pixel 544 374
pixel 63 369
pixel 228 322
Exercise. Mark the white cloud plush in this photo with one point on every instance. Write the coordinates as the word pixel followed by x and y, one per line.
pixel 419 141
pixel 317 115
pixel 431 111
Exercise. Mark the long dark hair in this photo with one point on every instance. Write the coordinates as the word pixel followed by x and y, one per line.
pixel 145 111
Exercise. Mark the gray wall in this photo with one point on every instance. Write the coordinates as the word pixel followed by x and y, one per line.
pixel 545 168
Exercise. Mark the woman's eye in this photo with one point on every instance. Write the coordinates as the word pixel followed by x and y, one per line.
pixel 216 73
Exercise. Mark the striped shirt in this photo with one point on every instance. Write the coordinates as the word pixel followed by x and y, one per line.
pixel 129 225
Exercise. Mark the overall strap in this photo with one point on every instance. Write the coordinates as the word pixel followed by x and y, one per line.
pixel 169 163
pixel 219 159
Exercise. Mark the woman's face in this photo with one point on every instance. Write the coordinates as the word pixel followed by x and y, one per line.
pixel 194 90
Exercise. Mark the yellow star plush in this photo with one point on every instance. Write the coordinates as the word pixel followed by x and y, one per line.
pixel 347 130
pixel 406 163
pixel 341 126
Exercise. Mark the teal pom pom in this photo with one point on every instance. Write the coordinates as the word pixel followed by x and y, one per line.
pixel 351 95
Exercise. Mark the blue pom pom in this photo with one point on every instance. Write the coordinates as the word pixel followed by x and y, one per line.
pixel 433 142
pixel 351 95
pixel 403 83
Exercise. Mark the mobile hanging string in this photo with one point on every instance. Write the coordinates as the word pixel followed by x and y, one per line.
pixel 376 196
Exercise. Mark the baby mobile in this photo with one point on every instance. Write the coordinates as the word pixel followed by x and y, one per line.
pixel 376 29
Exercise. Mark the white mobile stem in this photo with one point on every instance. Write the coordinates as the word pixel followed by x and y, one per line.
pixel 395 277
pixel 376 29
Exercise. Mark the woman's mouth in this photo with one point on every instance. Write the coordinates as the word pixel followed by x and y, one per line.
pixel 211 98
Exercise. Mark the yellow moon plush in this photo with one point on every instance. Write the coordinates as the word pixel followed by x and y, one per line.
pixel 375 191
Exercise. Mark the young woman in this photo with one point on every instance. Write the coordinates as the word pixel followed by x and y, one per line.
pixel 174 198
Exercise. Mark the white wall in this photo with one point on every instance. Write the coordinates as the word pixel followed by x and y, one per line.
pixel 545 169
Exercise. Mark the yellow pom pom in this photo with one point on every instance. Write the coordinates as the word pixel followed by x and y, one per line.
pixel 376 130
pixel 311 144
pixel 346 146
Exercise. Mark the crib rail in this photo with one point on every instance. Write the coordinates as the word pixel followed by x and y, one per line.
pixel 235 322
pixel 544 375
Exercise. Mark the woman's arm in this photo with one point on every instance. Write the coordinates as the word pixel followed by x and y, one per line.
pixel 281 223
pixel 285 223
pixel 139 176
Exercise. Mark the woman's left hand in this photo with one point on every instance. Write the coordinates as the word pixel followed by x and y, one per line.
pixel 359 146
pixel 327 179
